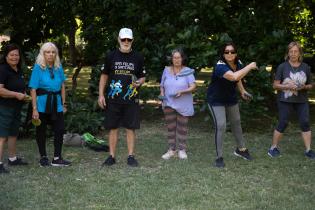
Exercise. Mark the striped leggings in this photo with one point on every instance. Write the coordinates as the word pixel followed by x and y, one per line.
pixel 177 127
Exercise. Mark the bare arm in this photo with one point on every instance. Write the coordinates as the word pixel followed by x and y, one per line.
pixel 288 86
pixel 139 82
pixel 5 93
pixel 161 91
pixel 35 114
pixel 244 94
pixel 63 97
pixel 241 87
pixel 101 88
pixel 238 75
pixel 190 89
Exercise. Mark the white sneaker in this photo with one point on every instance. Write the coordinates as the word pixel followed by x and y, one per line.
pixel 182 154
pixel 170 153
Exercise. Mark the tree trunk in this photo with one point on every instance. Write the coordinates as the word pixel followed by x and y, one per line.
pixel 71 37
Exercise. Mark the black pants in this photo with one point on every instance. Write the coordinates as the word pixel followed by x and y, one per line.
pixel 285 110
pixel 58 127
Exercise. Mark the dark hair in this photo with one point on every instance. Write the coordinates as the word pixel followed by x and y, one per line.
pixel 223 49
pixel 6 50
pixel 182 54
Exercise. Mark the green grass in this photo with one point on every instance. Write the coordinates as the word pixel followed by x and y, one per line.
pixel 264 183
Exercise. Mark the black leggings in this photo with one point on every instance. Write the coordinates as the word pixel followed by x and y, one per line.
pixel 285 109
pixel 58 127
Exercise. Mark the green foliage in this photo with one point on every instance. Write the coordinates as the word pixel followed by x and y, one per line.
pixel 94 80
pixel 83 116
pixel 261 30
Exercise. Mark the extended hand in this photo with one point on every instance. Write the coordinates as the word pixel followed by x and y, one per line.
pixel 20 96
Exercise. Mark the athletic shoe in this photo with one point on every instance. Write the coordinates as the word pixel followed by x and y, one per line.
pixel 3 170
pixel 44 162
pixel 109 161
pixel 243 154
pixel 310 154
pixel 274 152
pixel 219 162
pixel 182 154
pixel 170 153
pixel 131 161
pixel 17 162
pixel 60 162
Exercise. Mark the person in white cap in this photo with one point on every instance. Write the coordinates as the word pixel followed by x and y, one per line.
pixel 124 68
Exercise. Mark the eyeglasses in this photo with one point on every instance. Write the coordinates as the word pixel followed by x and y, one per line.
pixel 229 52
pixel 126 39
pixel 51 73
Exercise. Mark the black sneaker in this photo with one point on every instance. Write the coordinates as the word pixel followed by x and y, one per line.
pixel 17 162
pixel 60 162
pixel 243 154
pixel 109 161
pixel 219 162
pixel 44 162
pixel 131 161
pixel 310 154
pixel 3 170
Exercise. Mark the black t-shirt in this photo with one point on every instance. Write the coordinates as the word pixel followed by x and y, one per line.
pixel 13 81
pixel 122 69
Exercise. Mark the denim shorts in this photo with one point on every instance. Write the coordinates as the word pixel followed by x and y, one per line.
pixel 10 119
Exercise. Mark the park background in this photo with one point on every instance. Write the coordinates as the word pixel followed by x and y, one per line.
pixel 85 31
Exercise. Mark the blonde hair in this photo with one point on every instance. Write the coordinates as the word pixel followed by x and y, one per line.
pixel 292 44
pixel 40 60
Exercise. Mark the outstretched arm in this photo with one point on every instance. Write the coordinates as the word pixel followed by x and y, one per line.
pixel 238 75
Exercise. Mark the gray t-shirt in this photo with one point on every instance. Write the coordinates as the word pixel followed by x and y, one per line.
pixel 300 75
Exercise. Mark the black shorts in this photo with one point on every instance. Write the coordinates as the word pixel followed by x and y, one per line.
pixel 122 115
pixel 10 118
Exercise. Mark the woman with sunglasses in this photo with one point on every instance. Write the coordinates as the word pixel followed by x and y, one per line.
pixel 222 99
pixel 48 100
pixel 12 95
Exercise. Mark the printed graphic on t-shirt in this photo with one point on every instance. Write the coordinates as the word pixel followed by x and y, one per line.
pixel 298 78
pixel 132 91
pixel 124 68
pixel 115 89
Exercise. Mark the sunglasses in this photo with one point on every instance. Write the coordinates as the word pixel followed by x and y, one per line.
pixel 126 39
pixel 229 52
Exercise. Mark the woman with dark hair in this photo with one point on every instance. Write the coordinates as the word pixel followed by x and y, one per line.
pixel 176 88
pixel 222 99
pixel 12 95
pixel 292 81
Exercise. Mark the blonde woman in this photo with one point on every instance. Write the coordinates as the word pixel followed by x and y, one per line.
pixel 48 100
pixel 293 80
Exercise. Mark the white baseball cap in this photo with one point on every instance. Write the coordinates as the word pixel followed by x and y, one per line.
pixel 125 33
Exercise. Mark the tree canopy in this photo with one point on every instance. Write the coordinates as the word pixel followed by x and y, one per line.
pixel 260 28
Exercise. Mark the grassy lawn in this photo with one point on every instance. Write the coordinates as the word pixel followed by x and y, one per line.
pixel 264 183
